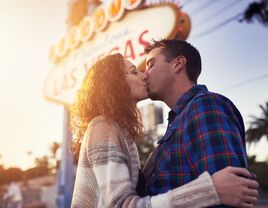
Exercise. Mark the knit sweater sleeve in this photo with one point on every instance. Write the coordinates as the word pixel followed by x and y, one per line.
pixel 196 194
pixel 111 169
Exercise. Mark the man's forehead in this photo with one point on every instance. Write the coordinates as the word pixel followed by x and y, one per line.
pixel 154 53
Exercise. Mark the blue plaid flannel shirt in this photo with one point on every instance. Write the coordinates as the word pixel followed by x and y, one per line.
pixel 205 133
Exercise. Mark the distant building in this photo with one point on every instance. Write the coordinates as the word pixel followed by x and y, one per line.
pixel 154 116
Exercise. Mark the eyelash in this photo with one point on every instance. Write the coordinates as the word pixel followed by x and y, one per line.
pixel 134 71
pixel 150 65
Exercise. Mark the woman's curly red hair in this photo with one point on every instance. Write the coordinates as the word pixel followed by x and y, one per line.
pixel 105 92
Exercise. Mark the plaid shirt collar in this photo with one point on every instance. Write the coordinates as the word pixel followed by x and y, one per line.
pixel 185 98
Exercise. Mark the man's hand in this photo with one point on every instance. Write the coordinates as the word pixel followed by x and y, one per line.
pixel 236 187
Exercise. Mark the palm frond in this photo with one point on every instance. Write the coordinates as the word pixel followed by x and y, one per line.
pixel 258 126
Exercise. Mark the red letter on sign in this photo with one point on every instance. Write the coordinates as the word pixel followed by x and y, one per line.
pixel 129 48
pixel 114 50
pixel 143 42
pixel 73 78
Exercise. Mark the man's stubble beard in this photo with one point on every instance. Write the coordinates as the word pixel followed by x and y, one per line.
pixel 153 95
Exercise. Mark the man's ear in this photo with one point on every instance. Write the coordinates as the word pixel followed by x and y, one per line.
pixel 179 63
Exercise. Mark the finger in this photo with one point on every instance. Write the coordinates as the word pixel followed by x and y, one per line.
pixel 245 205
pixel 239 171
pixel 252 184
pixel 249 199
pixel 252 192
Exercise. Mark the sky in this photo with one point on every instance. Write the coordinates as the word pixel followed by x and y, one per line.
pixel 235 62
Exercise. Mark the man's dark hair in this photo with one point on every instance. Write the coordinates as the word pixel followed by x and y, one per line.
pixel 176 47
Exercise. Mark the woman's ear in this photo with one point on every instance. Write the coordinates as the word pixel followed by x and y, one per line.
pixel 179 63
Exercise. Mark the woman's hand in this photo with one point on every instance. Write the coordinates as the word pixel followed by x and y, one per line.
pixel 235 188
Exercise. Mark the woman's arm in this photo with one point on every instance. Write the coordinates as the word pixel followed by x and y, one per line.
pixel 231 189
pixel 110 167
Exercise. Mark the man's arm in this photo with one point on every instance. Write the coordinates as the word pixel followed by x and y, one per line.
pixel 213 138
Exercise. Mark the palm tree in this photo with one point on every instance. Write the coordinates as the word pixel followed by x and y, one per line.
pixel 258 126
pixel 1 165
pixel 258 11
pixel 30 155
pixel 53 150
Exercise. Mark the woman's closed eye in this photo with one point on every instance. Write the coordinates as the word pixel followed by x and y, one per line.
pixel 133 70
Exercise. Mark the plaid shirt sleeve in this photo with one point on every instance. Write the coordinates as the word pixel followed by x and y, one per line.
pixel 213 135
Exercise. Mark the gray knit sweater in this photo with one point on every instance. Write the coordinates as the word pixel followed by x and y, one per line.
pixel 107 175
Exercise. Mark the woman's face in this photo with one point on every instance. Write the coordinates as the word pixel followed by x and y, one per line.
pixel 136 82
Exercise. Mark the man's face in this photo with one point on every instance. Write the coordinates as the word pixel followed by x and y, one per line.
pixel 159 74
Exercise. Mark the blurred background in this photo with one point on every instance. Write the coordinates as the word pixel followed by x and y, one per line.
pixel 231 35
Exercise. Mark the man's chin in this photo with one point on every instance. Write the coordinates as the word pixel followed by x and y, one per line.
pixel 152 96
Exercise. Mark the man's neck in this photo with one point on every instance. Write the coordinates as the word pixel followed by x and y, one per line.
pixel 175 92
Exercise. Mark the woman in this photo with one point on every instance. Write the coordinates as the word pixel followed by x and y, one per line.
pixel 106 122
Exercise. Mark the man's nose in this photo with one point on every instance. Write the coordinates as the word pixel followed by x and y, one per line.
pixel 144 76
pixel 147 72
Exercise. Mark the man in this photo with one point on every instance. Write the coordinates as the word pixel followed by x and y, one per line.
pixel 205 130
pixel 13 195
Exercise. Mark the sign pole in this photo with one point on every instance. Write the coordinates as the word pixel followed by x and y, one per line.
pixel 65 176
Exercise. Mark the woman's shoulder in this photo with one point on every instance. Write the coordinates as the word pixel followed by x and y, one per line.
pixel 102 129
pixel 102 122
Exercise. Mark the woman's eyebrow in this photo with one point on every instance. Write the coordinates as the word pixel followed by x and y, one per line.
pixel 133 67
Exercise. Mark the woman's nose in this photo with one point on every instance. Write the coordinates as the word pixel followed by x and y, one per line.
pixel 143 75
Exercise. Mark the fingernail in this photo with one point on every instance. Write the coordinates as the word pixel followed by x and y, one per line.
pixel 253 176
